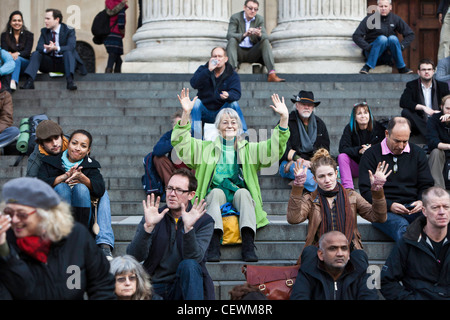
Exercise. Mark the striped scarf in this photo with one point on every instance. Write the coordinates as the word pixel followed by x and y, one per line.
pixel 344 217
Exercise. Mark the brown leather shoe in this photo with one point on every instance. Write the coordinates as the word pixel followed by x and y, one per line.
pixel 272 77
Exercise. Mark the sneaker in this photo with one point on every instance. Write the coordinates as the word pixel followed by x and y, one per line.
pixel 107 251
pixel 405 70
pixel 365 69
pixel 13 85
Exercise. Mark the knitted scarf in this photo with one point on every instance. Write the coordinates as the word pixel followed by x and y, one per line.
pixel 35 247
pixel 344 217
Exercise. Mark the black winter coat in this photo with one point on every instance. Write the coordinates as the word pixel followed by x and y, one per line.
pixel 75 265
pixel 53 167
pixel 413 262
pixel 314 283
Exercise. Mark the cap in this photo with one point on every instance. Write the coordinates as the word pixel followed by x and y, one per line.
pixel 47 129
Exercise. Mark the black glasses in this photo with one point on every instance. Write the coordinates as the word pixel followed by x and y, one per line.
pixel 122 279
pixel 178 192
pixel 21 215
pixel 252 9
pixel 360 104
pixel 395 164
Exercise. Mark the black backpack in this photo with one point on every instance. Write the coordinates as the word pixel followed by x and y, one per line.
pixel 100 27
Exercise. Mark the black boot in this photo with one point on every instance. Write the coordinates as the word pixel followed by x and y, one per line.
pixel 213 252
pixel 248 245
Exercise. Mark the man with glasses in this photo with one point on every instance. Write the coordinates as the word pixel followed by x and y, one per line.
pixel 172 241
pixel 409 178
pixel 421 97
pixel 248 40
pixel 308 134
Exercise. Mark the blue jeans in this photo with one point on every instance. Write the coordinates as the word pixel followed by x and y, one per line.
pixel 200 113
pixel 8 135
pixel 188 284
pixel 79 196
pixel 395 225
pixel 379 46
pixel 21 65
pixel 310 184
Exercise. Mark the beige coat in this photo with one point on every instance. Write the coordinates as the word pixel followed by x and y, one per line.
pixel 307 206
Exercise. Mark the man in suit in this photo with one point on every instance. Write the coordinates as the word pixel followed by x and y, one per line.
pixel 421 97
pixel 248 40
pixel 55 51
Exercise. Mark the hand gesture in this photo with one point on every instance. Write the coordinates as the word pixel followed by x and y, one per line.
pixel 190 218
pixel 151 213
pixel 378 179
pixel 444 117
pixel 185 101
pixel 299 173
pixel 5 224
pixel 75 175
pixel 278 105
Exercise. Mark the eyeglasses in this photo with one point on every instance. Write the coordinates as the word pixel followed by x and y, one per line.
pixel 360 104
pixel 132 278
pixel 20 215
pixel 252 9
pixel 178 192
pixel 395 165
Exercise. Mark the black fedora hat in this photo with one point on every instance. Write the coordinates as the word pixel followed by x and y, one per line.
pixel 305 97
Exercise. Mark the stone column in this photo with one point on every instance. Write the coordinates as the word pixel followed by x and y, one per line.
pixel 177 35
pixel 315 36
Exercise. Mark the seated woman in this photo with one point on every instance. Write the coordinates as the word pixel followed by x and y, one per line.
pixel 132 281
pixel 18 41
pixel 233 161
pixel 358 136
pixel 330 206
pixel 75 176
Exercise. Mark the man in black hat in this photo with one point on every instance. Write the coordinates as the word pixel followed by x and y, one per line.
pixel 308 133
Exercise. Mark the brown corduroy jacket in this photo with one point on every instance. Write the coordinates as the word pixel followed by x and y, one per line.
pixel 307 206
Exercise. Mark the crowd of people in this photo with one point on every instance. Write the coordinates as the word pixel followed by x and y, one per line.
pixel 56 238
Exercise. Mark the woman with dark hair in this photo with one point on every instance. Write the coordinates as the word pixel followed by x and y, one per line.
pixel 18 41
pixel 75 176
pixel 330 206
pixel 359 135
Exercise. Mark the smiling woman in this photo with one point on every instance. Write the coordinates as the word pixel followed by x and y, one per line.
pixel 75 176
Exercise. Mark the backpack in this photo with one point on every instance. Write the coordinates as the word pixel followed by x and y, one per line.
pixel 100 27
pixel 27 138
pixel 151 182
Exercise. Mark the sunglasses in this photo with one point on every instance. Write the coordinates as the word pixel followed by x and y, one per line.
pixel 395 165
pixel 20 215
pixel 360 104
pixel 122 279
pixel 252 9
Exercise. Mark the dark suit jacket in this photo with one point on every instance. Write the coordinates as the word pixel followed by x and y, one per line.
pixel 413 95
pixel 67 39
pixel 236 27
pixel 443 7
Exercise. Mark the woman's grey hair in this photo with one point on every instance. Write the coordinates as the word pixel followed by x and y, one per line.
pixel 233 115
pixel 128 264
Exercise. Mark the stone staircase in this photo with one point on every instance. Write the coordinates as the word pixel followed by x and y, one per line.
pixel 127 113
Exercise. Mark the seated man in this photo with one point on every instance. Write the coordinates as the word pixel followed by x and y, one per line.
pixel 248 40
pixel 421 97
pixel 50 141
pixel 8 133
pixel 218 87
pixel 409 178
pixel 308 134
pixel 438 139
pixel 331 272
pixel 172 241
pixel 418 267
pixel 55 51
pixel 377 33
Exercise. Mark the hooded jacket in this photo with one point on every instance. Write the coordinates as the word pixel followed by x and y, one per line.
pixel 412 262
pixel 314 283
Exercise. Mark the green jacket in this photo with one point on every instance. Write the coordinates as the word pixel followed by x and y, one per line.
pixel 202 156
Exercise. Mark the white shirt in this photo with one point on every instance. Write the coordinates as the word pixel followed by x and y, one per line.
pixel 427 96
pixel 246 43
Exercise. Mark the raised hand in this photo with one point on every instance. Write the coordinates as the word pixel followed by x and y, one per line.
pixel 299 173
pixel 185 101
pixel 5 224
pixel 151 213
pixel 190 218
pixel 280 107
pixel 378 179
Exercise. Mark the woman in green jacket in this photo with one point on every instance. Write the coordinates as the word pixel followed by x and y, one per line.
pixel 226 169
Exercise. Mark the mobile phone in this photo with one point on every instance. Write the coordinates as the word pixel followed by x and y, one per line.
pixel 409 206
